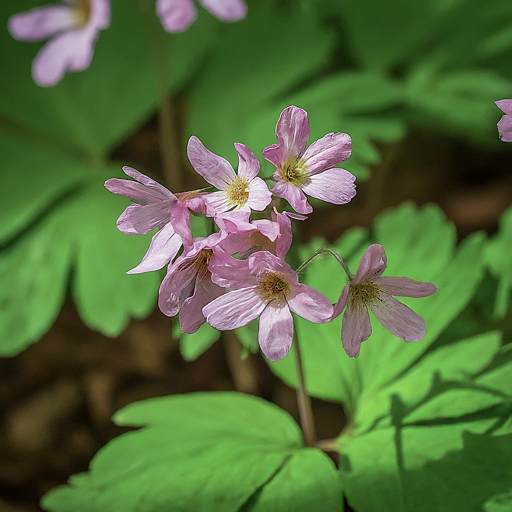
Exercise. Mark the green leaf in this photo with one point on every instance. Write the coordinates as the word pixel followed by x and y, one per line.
pixel 499 503
pixel 95 109
pixel 497 258
pixel 248 69
pixel 193 345
pixel 203 451
pixel 419 244
pixel 78 238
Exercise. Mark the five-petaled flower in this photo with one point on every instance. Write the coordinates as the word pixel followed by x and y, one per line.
pixel 369 290
pixel 264 286
pixel 72 28
pixel 505 123
pixel 310 171
pixel 244 192
pixel 178 15
pixel 155 207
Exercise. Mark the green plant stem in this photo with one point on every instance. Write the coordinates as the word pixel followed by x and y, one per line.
pixel 322 251
pixel 303 400
pixel 166 116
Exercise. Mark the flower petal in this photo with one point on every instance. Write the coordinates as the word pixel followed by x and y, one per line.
pixel 248 164
pixel 504 106
pixel 140 219
pixel 176 15
pixel 311 304
pixel 213 168
pixel 342 302
pixel 135 191
pixel 226 10
pixel 164 246
pixel 293 195
pixel 42 22
pixel 292 131
pixel 234 309
pixel 216 202
pixel 405 287
pixel 328 152
pixel 372 264
pixel 157 191
pixel 399 319
pixel 259 195
pixel 275 333
pixel 355 329
pixel 230 272
pixel 332 185
pixel 180 220
pixel 191 313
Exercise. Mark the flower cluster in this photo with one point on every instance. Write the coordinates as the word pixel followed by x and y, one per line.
pixel 239 272
pixel 73 27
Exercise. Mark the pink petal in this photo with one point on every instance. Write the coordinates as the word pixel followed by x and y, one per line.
pixel 293 195
pixel 292 132
pixel 399 319
pixel 405 287
pixel 177 286
pixel 135 191
pixel 176 15
pixel 226 10
pixel 71 51
pixel 259 195
pixel 355 329
pixel 191 314
pixel 230 272
pixel 333 186
pixel 180 220
pixel 213 168
pixel 505 128
pixel 311 304
pixel 234 309
pixel 140 219
pixel 248 164
pixel 284 240
pixel 41 23
pixel 263 261
pixel 216 202
pixel 274 154
pixel 164 246
pixel 342 302
pixel 327 152
pixel 372 264
pixel 504 106
pixel 157 191
pixel 275 333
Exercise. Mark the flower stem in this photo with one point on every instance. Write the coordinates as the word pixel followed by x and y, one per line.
pixel 322 251
pixel 303 400
pixel 166 117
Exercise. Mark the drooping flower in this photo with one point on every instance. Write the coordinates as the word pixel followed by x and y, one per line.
pixel 72 27
pixel 265 286
pixel 188 286
pixel 310 171
pixel 244 192
pixel 178 15
pixel 505 123
pixel 155 207
pixel 369 290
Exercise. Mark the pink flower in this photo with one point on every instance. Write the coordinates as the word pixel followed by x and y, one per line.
pixel 244 192
pixel 178 15
pixel 367 289
pixel 155 207
pixel 505 123
pixel 266 287
pixel 311 171
pixel 72 28
pixel 188 285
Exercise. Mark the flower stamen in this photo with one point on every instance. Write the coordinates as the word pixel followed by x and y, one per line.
pixel 294 172
pixel 273 286
pixel 82 12
pixel 365 293
pixel 237 192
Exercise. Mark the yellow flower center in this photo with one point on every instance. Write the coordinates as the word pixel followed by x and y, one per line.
pixel 82 12
pixel 364 294
pixel 273 286
pixel 294 172
pixel 238 192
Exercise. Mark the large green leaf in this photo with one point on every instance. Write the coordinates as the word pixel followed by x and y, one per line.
pixel 255 60
pixel 203 452
pixel 419 244
pixel 78 238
